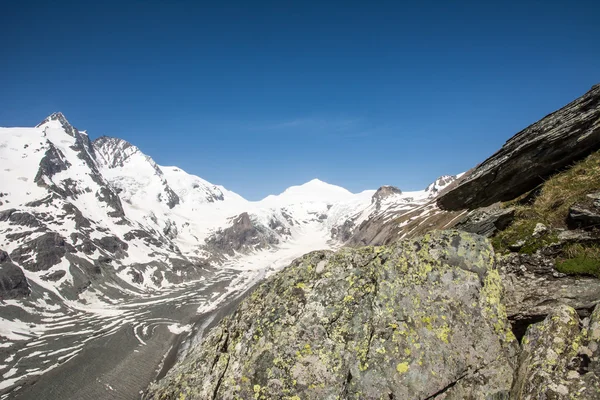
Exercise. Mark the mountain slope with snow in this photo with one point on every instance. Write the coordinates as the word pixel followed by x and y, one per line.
pixel 87 226
pixel 105 210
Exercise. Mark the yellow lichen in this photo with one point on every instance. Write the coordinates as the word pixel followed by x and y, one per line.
pixel 402 367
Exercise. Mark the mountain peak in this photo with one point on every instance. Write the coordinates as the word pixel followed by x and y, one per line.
pixel 58 116
pixel 313 190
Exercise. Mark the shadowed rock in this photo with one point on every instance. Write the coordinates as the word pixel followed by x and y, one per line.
pixel 585 215
pixel 13 283
pixel 532 155
pixel 42 253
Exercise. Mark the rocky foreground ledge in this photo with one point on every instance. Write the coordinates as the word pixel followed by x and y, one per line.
pixel 420 319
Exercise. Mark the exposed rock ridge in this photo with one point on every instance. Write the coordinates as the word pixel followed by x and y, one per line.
pixel 532 155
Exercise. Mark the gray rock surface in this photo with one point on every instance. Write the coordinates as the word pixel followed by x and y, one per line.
pixel 383 193
pixel 487 221
pixel 534 288
pixel 585 215
pixel 549 145
pixel 42 252
pixel 560 358
pixel 421 319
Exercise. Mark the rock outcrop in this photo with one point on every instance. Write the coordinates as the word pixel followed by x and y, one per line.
pixel 586 214
pixel 242 235
pixel 419 319
pixel 13 283
pixel 383 193
pixel 534 289
pixel 486 221
pixel 532 155
pixel 560 358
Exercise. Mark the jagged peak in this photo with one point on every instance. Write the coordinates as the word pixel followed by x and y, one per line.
pixel 58 116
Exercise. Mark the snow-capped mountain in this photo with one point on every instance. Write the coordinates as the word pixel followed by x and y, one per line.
pixel 98 234
pixel 105 211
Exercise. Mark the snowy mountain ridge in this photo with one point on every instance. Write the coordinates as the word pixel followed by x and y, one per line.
pixel 120 217
pixel 97 237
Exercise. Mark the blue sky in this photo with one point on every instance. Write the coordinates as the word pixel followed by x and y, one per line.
pixel 258 96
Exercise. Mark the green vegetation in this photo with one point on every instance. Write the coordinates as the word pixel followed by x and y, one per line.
pixel 521 232
pixel 550 207
pixel 580 260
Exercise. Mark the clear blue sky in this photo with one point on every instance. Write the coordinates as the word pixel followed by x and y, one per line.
pixel 258 96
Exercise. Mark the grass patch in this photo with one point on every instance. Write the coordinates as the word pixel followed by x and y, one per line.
pixel 563 190
pixel 522 231
pixel 580 260
pixel 550 206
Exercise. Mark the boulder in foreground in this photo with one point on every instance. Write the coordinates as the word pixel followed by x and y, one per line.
pixel 419 319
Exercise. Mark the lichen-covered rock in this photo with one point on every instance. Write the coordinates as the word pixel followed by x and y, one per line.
pixel 560 359
pixel 534 288
pixel 419 319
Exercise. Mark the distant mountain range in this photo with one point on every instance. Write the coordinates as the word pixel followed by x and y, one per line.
pixel 79 216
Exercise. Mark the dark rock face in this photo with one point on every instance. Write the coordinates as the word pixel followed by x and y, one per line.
pixel 109 197
pixel 21 218
pixel 51 164
pixel 54 276
pixel 240 236
pixel 585 215
pixel 145 236
pixel 486 221
pixel 560 360
pixel 80 220
pixel 43 252
pixel 112 244
pixel 58 116
pixel 278 227
pixel 542 149
pixel 13 283
pixel 343 232
pixel 417 320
